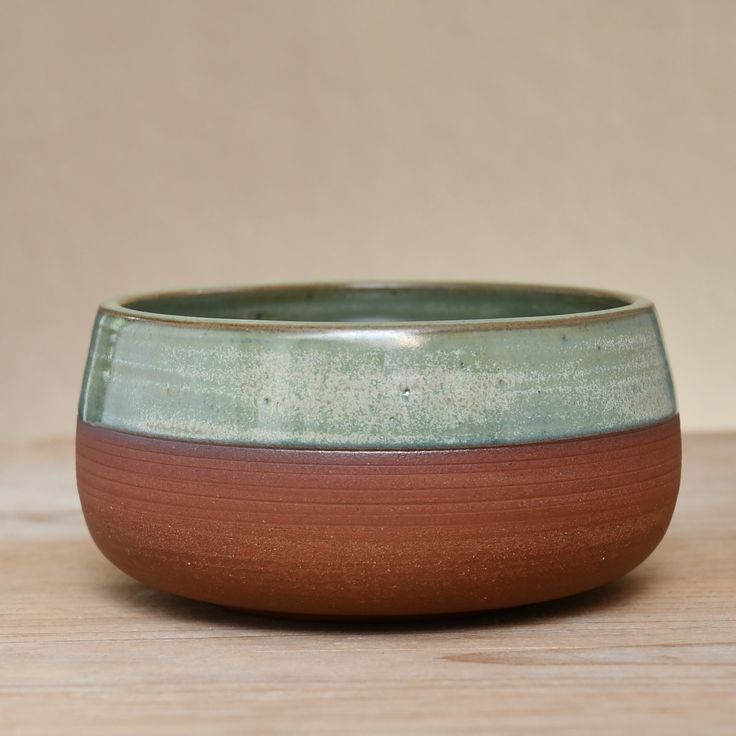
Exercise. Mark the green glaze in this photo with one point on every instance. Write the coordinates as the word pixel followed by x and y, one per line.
pixel 370 366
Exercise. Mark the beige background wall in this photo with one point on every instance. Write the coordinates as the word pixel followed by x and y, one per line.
pixel 148 145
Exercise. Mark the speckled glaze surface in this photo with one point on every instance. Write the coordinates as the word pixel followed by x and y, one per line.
pixel 377 450
pixel 445 377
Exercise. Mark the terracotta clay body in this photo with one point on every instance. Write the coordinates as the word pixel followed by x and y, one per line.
pixel 363 533
pixel 377 450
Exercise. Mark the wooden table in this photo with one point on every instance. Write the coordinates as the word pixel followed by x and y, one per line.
pixel 84 649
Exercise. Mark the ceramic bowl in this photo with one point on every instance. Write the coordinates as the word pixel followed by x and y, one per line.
pixel 369 450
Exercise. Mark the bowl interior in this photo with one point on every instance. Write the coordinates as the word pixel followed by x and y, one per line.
pixel 378 303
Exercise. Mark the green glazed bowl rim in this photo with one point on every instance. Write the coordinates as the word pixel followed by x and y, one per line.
pixel 630 304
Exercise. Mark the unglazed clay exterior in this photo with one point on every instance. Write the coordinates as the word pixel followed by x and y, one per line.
pixel 368 450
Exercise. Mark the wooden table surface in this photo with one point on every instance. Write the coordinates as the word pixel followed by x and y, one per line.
pixel 84 649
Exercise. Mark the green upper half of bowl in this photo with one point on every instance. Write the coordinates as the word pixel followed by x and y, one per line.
pixel 377 366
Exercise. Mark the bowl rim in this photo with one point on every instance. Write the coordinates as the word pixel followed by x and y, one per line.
pixel 634 304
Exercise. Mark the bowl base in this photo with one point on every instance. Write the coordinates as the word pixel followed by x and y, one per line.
pixel 375 534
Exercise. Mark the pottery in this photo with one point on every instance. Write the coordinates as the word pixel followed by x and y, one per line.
pixel 378 450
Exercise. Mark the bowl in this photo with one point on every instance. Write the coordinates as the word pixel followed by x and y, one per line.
pixel 377 450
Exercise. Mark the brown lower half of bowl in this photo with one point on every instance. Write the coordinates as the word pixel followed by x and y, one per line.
pixel 378 534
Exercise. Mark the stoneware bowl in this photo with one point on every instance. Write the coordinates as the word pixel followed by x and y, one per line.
pixel 369 450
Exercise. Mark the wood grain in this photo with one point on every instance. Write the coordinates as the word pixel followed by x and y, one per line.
pixel 378 533
pixel 86 650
